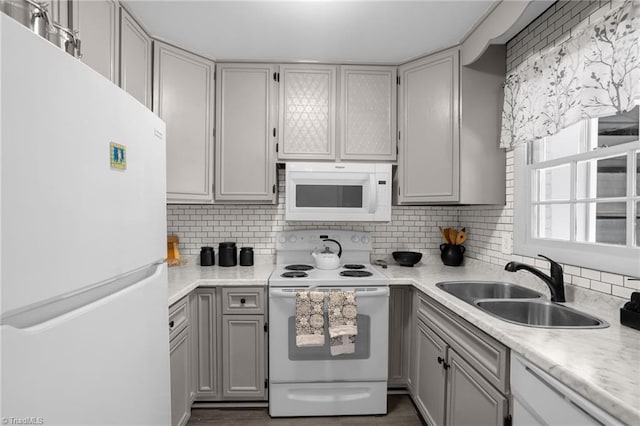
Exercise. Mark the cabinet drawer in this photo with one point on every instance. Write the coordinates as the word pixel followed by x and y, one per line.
pixel 483 352
pixel 248 300
pixel 178 317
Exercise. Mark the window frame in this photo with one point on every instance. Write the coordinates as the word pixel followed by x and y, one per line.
pixel 617 259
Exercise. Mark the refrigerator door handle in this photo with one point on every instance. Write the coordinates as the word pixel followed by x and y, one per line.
pixel 54 308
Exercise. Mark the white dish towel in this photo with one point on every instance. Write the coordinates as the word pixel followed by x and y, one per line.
pixel 309 319
pixel 343 327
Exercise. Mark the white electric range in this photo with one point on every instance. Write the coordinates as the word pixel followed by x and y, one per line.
pixel 310 381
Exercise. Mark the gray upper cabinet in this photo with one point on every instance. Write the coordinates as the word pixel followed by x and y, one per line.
pixel 135 59
pixel 449 123
pixel 367 118
pixel 428 162
pixel 482 161
pixel 307 112
pixel 246 119
pixel 183 96
pixel 97 23
pixel 59 11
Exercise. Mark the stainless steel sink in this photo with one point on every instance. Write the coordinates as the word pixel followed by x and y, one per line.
pixel 539 313
pixel 470 291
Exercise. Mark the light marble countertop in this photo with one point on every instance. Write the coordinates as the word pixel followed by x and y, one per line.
pixel 185 278
pixel 603 365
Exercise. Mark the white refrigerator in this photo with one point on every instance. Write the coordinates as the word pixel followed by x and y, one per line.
pixel 83 320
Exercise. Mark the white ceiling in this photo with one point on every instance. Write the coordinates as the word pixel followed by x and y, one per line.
pixel 368 32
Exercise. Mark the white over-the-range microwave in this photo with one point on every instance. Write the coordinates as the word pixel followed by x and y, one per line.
pixel 338 192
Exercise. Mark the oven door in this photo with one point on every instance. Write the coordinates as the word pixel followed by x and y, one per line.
pixel 290 364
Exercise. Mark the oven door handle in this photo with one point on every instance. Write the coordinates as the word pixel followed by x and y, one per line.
pixel 289 293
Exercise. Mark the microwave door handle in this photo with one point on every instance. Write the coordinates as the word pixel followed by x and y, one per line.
pixel 373 193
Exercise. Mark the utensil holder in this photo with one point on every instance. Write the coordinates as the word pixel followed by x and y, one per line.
pixel 452 254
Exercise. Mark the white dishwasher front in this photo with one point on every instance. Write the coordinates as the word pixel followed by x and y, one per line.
pixel 539 399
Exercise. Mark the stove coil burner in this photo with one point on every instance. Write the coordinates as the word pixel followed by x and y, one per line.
pixel 294 274
pixel 356 273
pixel 353 266
pixel 298 267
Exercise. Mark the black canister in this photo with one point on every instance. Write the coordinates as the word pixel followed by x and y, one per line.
pixel 207 257
pixel 246 256
pixel 227 254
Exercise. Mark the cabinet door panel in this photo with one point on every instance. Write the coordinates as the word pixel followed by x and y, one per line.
pixel 399 335
pixel 180 378
pixel 245 164
pixel 307 112
pixel 206 344
pixel 428 162
pixel 243 357
pixel 135 59
pixel 368 113
pixel 430 376
pixel 470 398
pixel 183 98
pixel 97 23
pixel 59 11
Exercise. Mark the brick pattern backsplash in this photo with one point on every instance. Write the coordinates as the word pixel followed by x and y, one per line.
pixel 490 228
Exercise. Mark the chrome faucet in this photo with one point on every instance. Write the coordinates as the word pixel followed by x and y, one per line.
pixel 555 282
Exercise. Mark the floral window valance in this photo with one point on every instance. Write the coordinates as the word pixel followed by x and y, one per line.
pixel 595 73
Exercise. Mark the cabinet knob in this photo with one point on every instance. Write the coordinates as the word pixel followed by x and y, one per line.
pixel 440 360
pixel 242 301
pixel 170 324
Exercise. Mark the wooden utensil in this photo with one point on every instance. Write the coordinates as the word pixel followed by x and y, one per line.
pixel 452 235
pixel 461 237
pixel 445 235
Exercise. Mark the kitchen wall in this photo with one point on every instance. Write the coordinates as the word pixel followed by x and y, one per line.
pixel 491 228
pixel 413 228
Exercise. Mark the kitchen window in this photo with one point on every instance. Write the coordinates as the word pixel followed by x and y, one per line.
pixel 577 195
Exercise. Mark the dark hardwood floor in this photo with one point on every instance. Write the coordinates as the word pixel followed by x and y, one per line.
pixel 401 411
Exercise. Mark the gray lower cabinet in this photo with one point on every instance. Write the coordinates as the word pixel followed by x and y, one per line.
pixel 470 398
pixel 243 360
pixel 400 336
pixel 460 373
pixel 230 357
pixel 206 344
pixel 429 389
pixel 180 361
pixel 183 96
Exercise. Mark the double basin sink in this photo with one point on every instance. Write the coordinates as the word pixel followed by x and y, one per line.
pixel 519 305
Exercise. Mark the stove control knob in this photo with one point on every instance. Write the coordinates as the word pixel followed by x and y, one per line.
pixel 293 239
pixel 365 240
pixel 355 239
pixel 282 239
